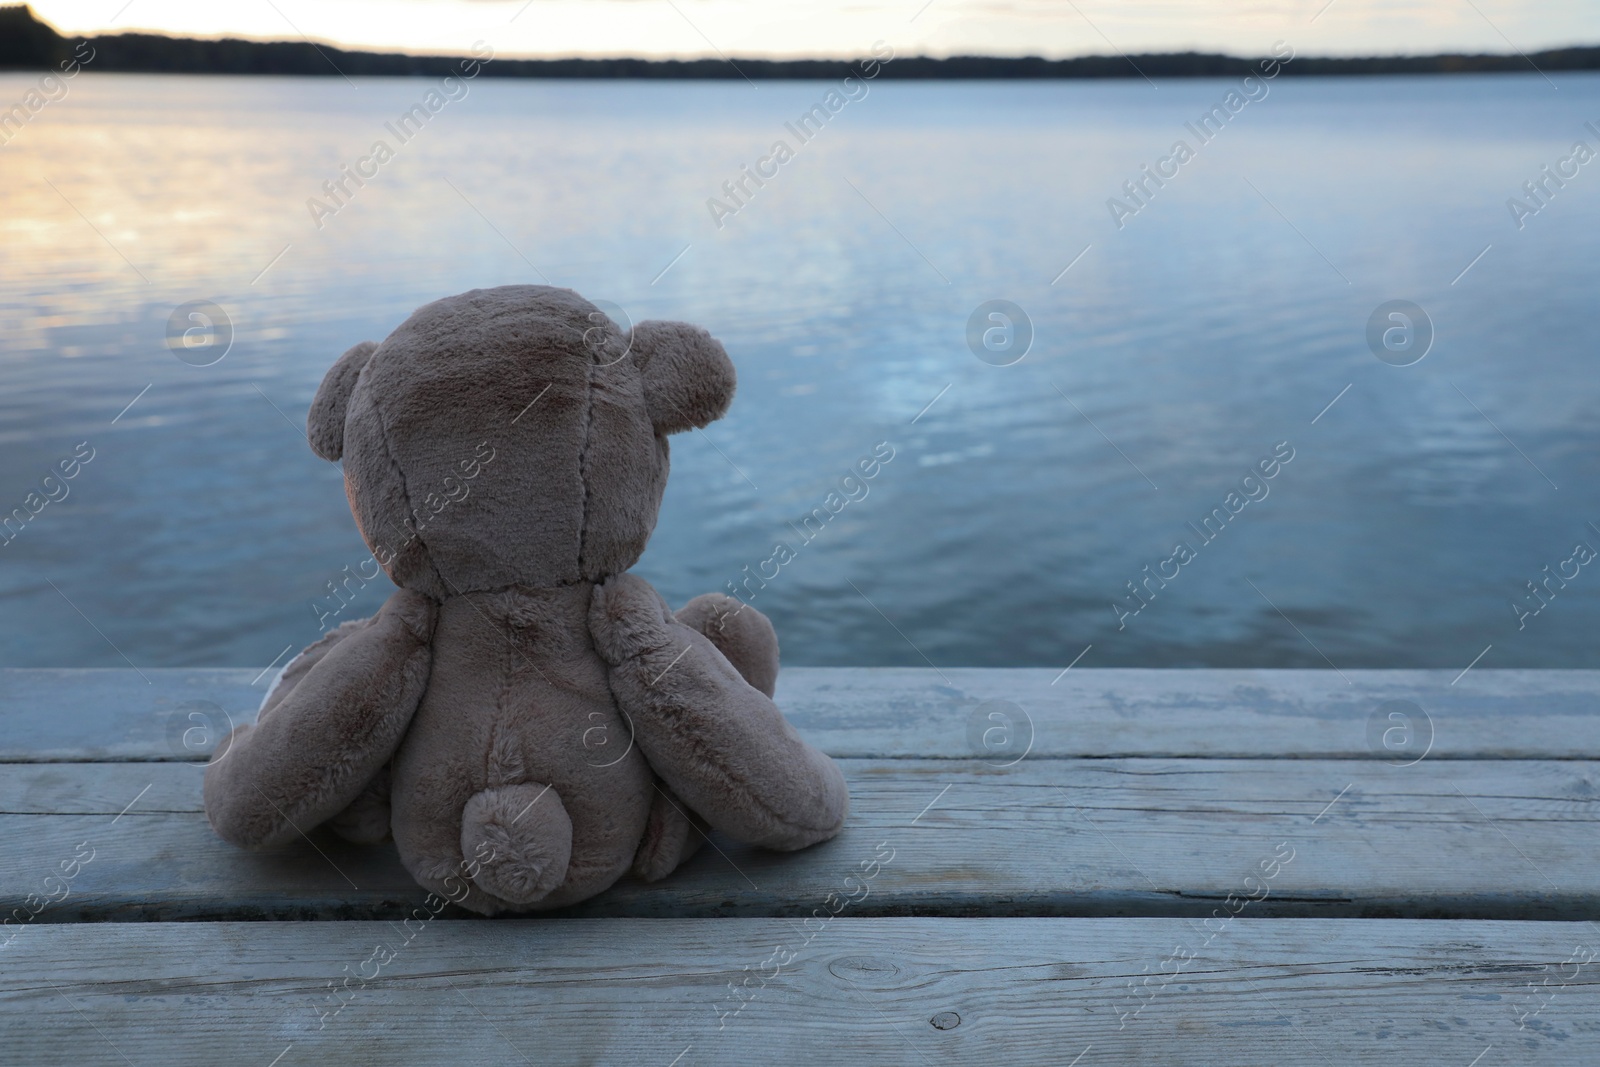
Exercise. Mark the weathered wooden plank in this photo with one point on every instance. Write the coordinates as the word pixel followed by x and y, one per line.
pixel 115 714
pixel 897 712
pixel 742 991
pixel 1484 839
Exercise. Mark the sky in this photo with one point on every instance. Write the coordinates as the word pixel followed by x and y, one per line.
pixel 1055 28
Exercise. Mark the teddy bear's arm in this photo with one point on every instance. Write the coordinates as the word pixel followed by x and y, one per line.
pixel 298 667
pixel 720 743
pixel 316 748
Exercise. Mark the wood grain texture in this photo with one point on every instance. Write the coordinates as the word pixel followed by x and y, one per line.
pixel 898 712
pixel 657 992
pixel 1478 839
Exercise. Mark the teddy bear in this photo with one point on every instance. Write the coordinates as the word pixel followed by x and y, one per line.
pixel 523 715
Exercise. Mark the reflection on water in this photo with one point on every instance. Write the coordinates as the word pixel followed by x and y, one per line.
pixel 1021 501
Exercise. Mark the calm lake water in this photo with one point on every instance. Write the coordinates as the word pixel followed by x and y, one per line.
pixel 1178 351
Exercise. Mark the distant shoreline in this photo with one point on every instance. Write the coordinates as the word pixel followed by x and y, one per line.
pixel 27 43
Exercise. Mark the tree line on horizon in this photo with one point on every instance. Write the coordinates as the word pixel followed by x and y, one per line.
pixel 29 43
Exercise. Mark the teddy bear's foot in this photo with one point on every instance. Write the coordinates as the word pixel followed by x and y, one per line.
pixel 521 836
pixel 671 835
pixel 366 820
pixel 742 634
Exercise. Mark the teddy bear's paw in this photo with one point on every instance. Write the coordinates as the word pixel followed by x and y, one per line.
pixel 628 619
pixel 521 838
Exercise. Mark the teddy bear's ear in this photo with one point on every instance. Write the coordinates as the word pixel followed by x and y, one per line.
pixel 688 377
pixel 325 421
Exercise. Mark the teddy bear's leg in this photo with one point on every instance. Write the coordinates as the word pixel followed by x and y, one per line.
pixel 316 748
pixel 672 834
pixel 519 838
pixel 720 743
pixel 741 633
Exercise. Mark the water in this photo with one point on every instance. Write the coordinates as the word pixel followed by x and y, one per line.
pixel 1175 354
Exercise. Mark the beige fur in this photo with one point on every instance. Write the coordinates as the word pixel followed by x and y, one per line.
pixel 523 714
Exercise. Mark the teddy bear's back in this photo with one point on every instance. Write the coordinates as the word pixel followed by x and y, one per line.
pixel 518 694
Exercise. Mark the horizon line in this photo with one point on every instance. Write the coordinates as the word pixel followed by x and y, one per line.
pixel 567 57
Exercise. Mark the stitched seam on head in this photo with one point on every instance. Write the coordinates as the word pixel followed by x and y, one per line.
pixel 529 590
pixel 583 464
pixel 405 491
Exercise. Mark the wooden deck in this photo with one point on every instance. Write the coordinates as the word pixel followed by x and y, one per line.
pixel 1123 867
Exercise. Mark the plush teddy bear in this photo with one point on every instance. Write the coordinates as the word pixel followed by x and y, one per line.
pixel 523 713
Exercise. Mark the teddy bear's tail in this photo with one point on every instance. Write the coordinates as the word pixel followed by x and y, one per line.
pixel 521 836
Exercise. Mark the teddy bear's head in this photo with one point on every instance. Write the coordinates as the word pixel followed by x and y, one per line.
pixel 513 436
